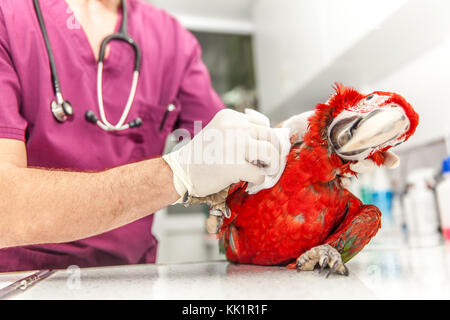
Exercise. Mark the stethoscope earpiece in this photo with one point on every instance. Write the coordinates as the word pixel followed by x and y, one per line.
pixel 136 123
pixel 92 118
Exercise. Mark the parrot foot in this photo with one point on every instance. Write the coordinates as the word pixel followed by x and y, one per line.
pixel 322 256
pixel 218 209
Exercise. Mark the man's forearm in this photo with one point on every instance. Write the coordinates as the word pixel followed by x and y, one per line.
pixel 43 206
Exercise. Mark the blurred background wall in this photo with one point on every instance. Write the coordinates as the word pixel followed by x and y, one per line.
pixel 302 47
pixel 282 57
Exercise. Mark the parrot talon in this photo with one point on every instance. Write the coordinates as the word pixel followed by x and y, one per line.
pixel 323 264
pixel 346 272
pixel 299 265
pixel 332 269
pixel 322 256
pixel 227 212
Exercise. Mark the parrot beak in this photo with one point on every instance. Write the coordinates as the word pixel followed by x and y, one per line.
pixel 354 137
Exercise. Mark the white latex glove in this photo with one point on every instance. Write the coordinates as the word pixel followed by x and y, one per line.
pixel 298 124
pixel 285 146
pixel 233 147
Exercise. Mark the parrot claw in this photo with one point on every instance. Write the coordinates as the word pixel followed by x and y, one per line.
pixel 322 256
pixel 323 263
pixel 332 269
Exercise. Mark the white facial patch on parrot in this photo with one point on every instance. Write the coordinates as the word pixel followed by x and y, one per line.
pixel 368 104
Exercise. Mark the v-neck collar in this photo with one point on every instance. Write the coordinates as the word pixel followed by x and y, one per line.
pixel 61 13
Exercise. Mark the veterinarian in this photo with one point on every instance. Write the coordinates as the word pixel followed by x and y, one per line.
pixel 76 183
pixel 89 92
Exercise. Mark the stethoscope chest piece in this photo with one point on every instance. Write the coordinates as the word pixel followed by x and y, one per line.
pixel 61 111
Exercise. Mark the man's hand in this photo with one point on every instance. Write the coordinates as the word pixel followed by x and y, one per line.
pixel 233 147
pixel 298 125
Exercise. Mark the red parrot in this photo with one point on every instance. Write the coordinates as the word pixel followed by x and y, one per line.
pixel 308 218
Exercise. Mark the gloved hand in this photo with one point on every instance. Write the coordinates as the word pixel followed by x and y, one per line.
pixel 231 148
pixel 298 125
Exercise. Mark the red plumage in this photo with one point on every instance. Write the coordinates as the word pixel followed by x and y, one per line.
pixel 308 206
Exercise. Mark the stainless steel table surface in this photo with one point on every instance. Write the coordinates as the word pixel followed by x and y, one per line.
pixel 374 274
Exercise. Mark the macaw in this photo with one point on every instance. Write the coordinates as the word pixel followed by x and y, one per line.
pixel 309 219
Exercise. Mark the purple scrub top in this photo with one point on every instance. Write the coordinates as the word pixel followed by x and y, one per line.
pixel 172 72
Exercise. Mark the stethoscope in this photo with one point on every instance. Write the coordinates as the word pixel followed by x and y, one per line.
pixel 62 109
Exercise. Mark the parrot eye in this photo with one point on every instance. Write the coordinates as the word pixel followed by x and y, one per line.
pixel 370 97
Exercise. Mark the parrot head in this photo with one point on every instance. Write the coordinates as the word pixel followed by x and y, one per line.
pixel 358 126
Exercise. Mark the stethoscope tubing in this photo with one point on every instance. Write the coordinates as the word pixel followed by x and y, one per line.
pixel 62 108
pixel 123 36
pixel 51 58
pixel 104 123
